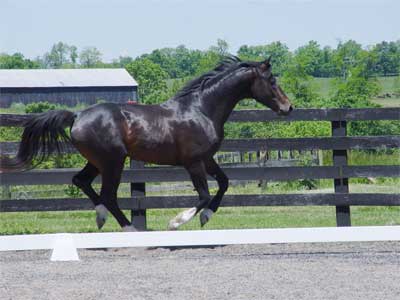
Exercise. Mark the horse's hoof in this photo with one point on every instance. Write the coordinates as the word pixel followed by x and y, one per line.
pixel 129 228
pixel 173 225
pixel 205 216
pixel 182 218
pixel 101 215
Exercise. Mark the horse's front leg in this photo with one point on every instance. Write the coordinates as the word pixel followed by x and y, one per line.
pixel 214 171
pixel 198 175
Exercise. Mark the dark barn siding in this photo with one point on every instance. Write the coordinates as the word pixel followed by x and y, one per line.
pixel 67 95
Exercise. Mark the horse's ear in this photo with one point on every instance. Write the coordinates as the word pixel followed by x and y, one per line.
pixel 266 64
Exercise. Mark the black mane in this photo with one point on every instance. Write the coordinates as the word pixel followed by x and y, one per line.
pixel 228 64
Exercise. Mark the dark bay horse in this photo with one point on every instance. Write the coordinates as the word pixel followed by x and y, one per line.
pixel 186 130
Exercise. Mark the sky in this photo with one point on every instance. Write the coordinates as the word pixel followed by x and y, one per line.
pixel 134 27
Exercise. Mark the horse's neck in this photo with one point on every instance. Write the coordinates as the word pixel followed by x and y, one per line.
pixel 220 99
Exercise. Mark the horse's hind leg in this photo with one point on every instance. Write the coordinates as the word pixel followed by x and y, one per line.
pixel 111 175
pixel 83 180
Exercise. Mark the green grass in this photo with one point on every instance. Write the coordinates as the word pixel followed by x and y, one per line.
pixel 324 86
pixel 387 83
pixel 387 102
pixel 365 158
pixel 226 218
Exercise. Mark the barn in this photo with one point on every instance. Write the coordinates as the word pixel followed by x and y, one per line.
pixel 66 86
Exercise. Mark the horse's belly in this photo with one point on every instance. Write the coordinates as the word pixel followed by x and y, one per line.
pixel 164 143
pixel 158 153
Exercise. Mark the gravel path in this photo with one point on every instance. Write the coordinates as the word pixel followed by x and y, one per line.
pixel 296 271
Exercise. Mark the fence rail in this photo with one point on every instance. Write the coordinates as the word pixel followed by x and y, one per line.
pixel 255 115
pixel 151 202
pixel 321 143
pixel 163 174
pixel 139 174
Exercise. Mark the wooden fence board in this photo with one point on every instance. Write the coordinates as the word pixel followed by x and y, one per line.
pixel 329 114
pixel 323 143
pixel 64 176
pixel 318 199
pixel 252 115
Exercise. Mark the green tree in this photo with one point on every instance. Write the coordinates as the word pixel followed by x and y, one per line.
pixel 210 58
pixel 221 48
pixel 388 57
pixel 178 62
pixel 311 57
pixel 328 68
pixel 73 55
pixel 355 91
pixel 90 57
pixel 124 60
pixel 166 59
pixel 208 61
pixel 279 52
pixel 186 61
pixel 300 86
pixel 346 57
pixel 151 79
pixel 358 86
pixel 16 61
pixel 59 56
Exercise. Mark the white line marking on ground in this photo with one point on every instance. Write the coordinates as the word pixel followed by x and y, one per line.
pixel 194 238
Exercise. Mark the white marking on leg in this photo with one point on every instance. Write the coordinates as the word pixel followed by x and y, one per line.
pixel 101 215
pixel 182 218
pixel 205 216
pixel 129 228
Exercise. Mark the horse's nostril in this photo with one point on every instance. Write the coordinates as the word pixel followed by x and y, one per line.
pixel 290 108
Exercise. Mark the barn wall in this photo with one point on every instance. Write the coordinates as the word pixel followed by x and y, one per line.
pixel 67 96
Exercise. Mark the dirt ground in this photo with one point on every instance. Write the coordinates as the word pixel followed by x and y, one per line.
pixel 295 271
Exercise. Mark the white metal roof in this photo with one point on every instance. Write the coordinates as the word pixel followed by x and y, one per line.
pixel 65 78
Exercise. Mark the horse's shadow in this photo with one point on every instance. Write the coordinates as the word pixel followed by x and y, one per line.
pixel 171 248
pixel 177 248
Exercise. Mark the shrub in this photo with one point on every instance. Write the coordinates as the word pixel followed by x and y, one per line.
pixel 39 107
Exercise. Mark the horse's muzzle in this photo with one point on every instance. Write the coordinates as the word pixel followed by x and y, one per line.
pixel 286 112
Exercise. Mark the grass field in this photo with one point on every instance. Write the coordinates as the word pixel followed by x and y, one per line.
pixel 226 218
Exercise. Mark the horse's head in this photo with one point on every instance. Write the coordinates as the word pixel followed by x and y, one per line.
pixel 266 90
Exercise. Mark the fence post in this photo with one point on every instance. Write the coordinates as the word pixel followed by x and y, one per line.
pixel 339 128
pixel 138 189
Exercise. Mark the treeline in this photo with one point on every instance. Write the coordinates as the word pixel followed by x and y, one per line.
pixel 162 72
pixel 382 58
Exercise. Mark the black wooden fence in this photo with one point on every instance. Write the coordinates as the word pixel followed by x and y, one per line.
pixel 138 174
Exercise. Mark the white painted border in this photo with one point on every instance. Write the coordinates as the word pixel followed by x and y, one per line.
pixel 64 245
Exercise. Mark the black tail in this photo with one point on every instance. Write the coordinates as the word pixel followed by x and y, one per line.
pixel 43 135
